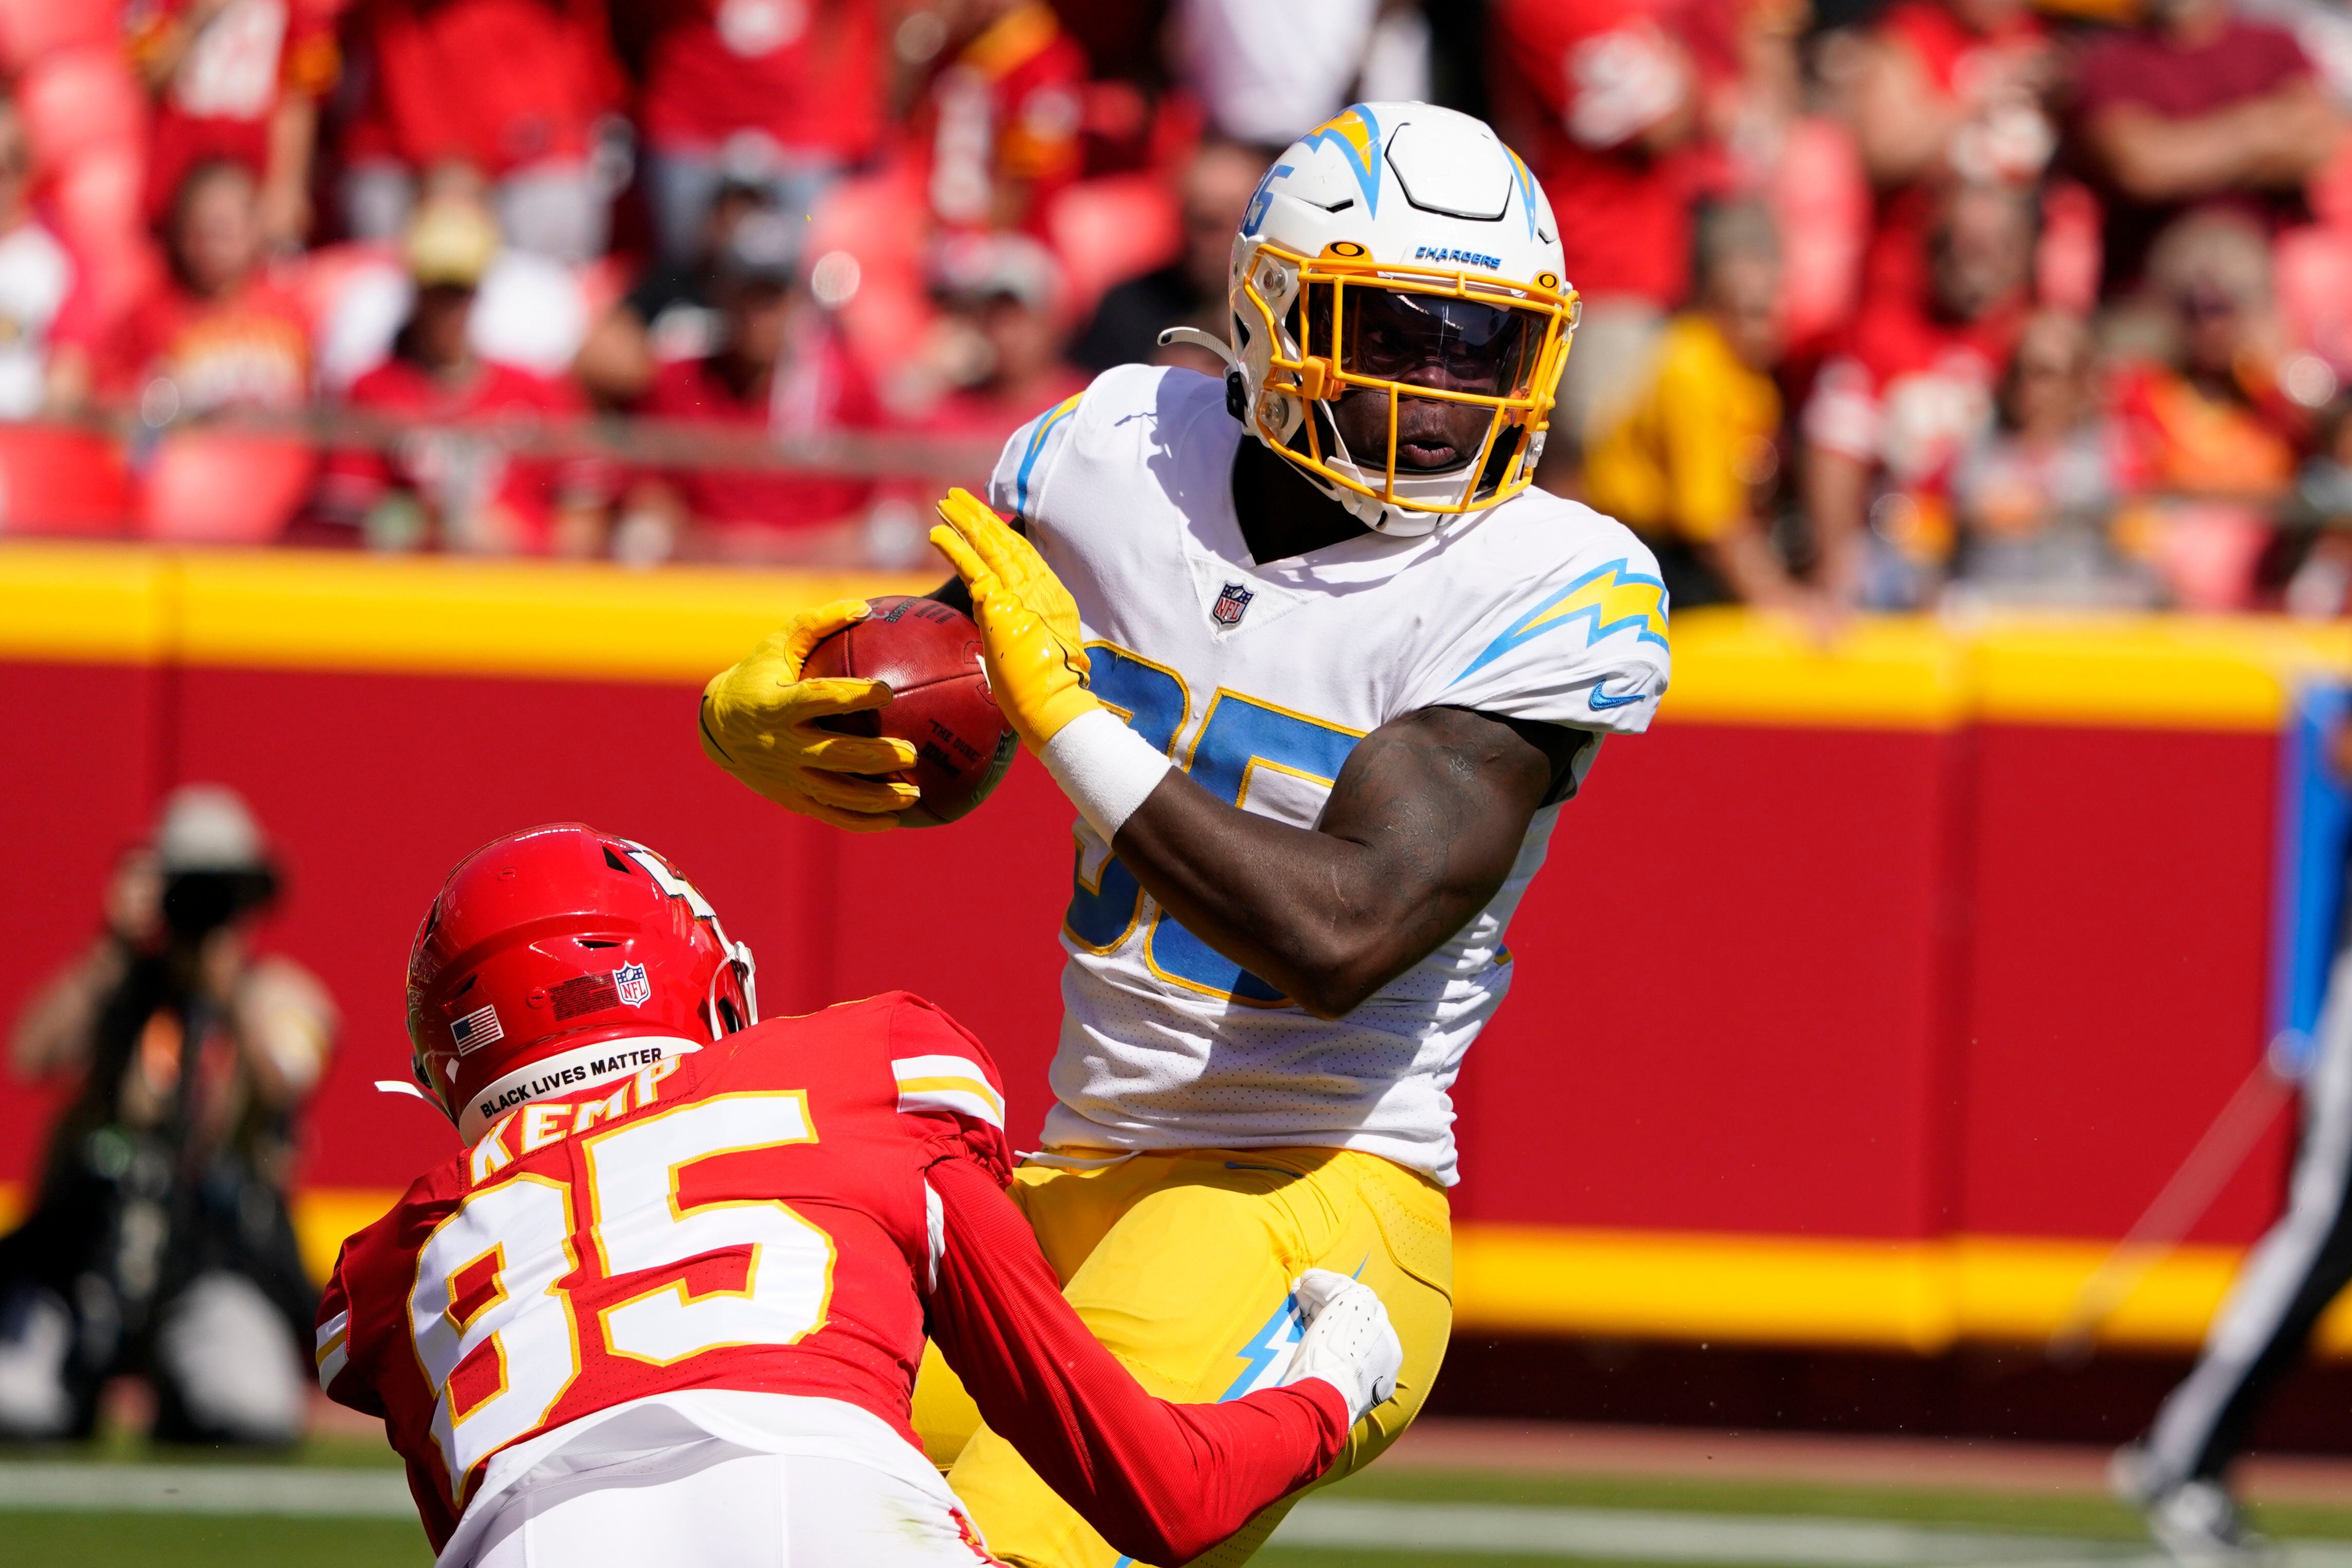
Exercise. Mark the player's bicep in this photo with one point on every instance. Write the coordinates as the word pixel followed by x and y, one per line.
pixel 1569 750
pixel 1443 798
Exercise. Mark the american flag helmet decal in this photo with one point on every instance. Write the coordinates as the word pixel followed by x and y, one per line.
pixel 477 1029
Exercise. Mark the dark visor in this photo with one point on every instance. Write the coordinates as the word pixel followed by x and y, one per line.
pixel 1436 340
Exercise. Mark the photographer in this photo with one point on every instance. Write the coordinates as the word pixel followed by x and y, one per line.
pixel 161 1242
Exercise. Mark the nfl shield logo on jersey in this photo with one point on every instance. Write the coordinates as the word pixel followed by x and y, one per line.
pixel 630 980
pixel 1227 611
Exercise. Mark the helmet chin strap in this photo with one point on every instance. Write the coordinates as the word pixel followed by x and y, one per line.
pixel 1193 337
pixel 1236 384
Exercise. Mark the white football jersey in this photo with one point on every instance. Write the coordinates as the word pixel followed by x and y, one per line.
pixel 1258 680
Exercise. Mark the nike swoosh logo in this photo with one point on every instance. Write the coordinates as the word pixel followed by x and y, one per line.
pixel 1602 699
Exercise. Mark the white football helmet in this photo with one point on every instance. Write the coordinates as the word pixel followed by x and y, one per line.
pixel 1399 249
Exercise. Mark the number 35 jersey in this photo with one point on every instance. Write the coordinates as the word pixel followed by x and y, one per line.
pixel 751 1217
pixel 648 1261
pixel 1259 680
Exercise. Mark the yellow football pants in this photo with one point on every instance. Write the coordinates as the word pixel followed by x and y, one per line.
pixel 1182 1265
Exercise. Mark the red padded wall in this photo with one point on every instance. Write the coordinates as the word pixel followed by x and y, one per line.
pixel 82 764
pixel 2118 973
pixel 1844 982
pixel 1730 978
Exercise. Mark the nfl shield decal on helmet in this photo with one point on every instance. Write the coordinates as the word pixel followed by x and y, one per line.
pixel 1231 603
pixel 630 980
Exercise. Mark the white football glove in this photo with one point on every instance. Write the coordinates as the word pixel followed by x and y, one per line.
pixel 1348 1342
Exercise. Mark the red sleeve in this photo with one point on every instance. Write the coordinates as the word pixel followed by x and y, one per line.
pixel 1163 1483
pixel 949 1085
pixel 343 1384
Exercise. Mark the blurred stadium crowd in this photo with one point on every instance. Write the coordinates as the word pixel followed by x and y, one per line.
pixel 1883 303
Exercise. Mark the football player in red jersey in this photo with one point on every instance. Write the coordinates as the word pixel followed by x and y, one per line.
pixel 667 1303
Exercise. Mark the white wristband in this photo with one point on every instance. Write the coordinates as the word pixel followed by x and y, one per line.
pixel 1105 769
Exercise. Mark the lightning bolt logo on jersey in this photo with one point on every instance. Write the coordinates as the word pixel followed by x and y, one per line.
pixel 1536 609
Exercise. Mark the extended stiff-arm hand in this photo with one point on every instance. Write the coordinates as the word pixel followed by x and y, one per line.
pixel 1422 825
pixel 1162 1482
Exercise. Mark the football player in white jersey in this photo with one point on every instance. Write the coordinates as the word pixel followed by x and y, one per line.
pixel 1318 670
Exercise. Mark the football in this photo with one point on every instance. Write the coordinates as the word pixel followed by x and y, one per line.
pixel 929 656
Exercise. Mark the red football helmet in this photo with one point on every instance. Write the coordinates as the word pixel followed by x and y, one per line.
pixel 555 953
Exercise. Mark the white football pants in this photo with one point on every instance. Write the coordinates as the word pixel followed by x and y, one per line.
pixel 714 1505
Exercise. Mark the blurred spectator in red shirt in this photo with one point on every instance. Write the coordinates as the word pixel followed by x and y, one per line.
pixel 1002 336
pixel 40 305
pixel 514 87
pixel 2199 105
pixel 1910 390
pixel 2035 497
pixel 1002 114
pixel 1948 90
pixel 221 334
pixel 1191 290
pixel 671 313
pixel 785 94
pixel 2207 424
pixel 1602 101
pixel 241 80
pixel 781 373
pixel 456 488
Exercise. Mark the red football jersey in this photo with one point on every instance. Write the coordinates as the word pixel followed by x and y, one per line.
pixel 1576 84
pixel 778 1213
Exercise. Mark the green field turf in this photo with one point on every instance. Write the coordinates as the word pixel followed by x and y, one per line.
pixel 36 1539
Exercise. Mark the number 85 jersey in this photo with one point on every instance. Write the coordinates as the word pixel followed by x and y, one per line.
pixel 755 1217
pixel 1258 679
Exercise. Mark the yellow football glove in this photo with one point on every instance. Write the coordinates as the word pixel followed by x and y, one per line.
pixel 758 723
pixel 1028 623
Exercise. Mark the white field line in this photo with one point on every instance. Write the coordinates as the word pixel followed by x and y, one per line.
pixel 1662 1536
pixel 206 1489
pixel 1749 1541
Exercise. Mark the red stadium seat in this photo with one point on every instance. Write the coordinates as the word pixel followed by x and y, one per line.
pixel 32 29
pixel 81 101
pixel 2315 291
pixel 94 203
pixel 208 488
pixel 1108 230
pixel 881 219
pixel 58 482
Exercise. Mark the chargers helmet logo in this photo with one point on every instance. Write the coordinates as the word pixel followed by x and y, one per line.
pixel 1233 601
pixel 630 981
